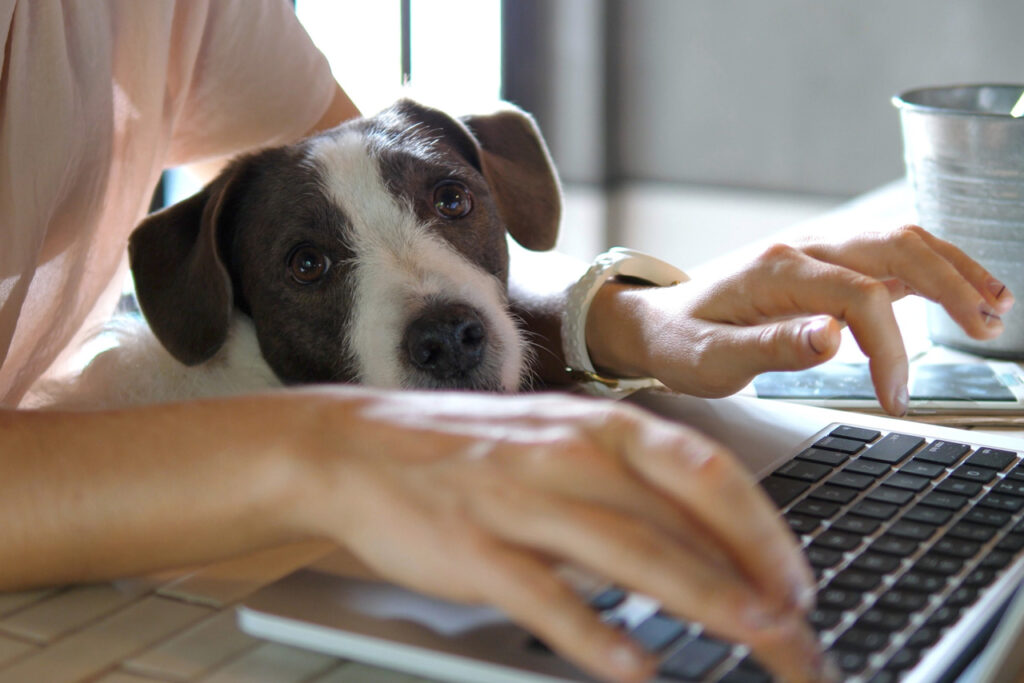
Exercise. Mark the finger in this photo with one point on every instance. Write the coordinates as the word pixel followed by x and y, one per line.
pixel 995 292
pixel 640 557
pixel 932 268
pixel 793 344
pixel 787 282
pixel 530 593
pixel 719 494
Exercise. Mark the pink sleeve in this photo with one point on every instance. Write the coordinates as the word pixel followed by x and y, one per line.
pixel 254 79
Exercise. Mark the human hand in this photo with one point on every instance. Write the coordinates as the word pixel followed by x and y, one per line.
pixel 478 499
pixel 785 309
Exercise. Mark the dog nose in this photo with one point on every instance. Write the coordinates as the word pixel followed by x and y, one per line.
pixel 447 340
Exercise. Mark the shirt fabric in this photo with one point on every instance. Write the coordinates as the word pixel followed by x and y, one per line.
pixel 97 97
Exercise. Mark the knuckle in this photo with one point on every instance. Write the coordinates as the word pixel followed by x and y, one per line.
pixel 870 292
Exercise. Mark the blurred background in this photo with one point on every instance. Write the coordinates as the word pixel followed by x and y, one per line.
pixel 681 127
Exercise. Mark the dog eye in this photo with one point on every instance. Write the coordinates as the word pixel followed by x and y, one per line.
pixel 452 199
pixel 307 264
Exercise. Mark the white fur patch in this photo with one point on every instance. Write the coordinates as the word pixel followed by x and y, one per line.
pixel 400 266
pixel 138 370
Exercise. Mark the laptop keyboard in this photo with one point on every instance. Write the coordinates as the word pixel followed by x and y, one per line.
pixel 903 533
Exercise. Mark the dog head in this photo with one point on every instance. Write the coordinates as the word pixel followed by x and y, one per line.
pixel 373 253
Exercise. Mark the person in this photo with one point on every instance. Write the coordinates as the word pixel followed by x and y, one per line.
pixel 466 497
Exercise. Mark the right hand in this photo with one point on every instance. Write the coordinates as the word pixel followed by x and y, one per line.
pixel 478 499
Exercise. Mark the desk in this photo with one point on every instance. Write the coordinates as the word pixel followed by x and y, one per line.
pixel 179 626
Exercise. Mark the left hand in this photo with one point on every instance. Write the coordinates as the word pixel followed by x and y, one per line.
pixel 784 311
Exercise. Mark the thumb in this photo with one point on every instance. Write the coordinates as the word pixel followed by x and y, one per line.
pixel 794 344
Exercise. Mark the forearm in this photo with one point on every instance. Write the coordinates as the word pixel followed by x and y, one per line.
pixel 87 496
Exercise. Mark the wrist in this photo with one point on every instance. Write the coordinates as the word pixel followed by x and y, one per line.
pixel 616 330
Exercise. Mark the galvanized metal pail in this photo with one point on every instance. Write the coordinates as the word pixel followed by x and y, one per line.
pixel 965 163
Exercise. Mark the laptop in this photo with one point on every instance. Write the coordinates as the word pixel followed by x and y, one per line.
pixel 914 531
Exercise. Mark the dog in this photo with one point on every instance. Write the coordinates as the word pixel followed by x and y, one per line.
pixel 373 253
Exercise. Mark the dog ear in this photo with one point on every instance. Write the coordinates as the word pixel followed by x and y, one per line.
pixel 181 282
pixel 516 163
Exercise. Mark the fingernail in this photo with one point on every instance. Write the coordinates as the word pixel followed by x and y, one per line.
pixel 823 668
pixel 627 657
pixel 997 288
pixel 757 617
pixel 990 317
pixel 803 596
pixel 818 335
pixel 901 400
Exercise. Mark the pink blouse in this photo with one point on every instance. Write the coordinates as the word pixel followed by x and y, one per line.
pixel 96 98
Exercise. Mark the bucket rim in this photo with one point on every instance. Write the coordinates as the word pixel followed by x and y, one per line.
pixel 900 100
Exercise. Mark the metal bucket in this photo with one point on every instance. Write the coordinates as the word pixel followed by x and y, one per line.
pixel 965 163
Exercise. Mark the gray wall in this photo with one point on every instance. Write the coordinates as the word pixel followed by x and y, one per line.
pixel 786 95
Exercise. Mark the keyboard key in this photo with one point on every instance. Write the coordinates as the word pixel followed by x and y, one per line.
pixel 856 433
pixel 944 452
pixel 903 659
pixel 894 545
pixel 962 597
pixel 888 494
pixel 914 530
pixel 804 471
pixel 837 540
pixel 971 532
pixel 944 616
pixel 946 501
pixel 1010 487
pixel 981 475
pixel 815 508
pixel 1017 473
pixel 833 494
pixel 998 501
pixel 992 457
pixel 996 518
pixel 876 562
pixel 817 455
pixel 871 468
pixel 801 524
pixel 921 582
pixel 850 661
pixel 980 577
pixel 957 547
pixel 822 558
pixel 838 598
pixel 851 480
pixel 960 487
pixel 747 671
pixel 863 639
pixel 855 524
pixel 1011 543
pixel 658 631
pixel 933 563
pixel 996 559
pixel 824 619
pixel 874 509
pixel 928 515
pixel 695 659
pixel 924 637
pixel 893 448
pixel 836 443
pixel 923 468
pixel 883 620
pixel 908 482
pixel 856 580
pixel 781 490
pixel 902 601
pixel 609 598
